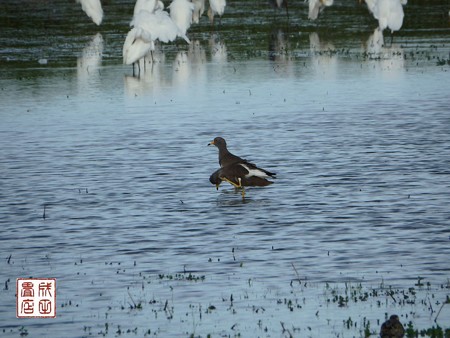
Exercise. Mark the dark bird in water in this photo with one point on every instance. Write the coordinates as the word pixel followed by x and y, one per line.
pixel 392 328
pixel 225 157
pixel 237 171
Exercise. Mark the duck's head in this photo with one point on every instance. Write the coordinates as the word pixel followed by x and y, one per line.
pixel 219 142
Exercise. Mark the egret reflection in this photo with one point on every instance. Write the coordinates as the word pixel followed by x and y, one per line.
pixel 280 52
pixel 278 44
pixel 386 59
pixel 324 59
pixel 375 43
pixel 181 69
pixel 218 49
pixel 198 61
pixel 153 79
pixel 197 53
pixel 187 67
pixel 89 63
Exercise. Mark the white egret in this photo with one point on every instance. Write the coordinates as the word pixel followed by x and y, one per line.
pixel 93 9
pixel 181 13
pixel 147 28
pixel 146 5
pixel 317 6
pixel 216 7
pixel 389 13
pixel 136 46
pixel 199 9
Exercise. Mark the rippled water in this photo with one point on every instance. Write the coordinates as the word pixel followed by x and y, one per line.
pixel 357 132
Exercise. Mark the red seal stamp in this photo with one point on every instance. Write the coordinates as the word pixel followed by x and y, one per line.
pixel 36 298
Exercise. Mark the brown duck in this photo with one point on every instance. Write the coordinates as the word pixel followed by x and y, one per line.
pixel 392 328
pixel 225 157
pixel 237 171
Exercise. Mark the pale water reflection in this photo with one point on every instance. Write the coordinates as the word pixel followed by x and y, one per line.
pixel 89 63
pixel 355 125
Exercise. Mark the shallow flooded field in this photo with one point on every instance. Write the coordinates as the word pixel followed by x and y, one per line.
pixel 104 174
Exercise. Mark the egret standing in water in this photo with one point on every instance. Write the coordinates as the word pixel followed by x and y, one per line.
pixel 149 26
pixel 216 7
pixel 147 5
pixel 317 6
pixel 199 9
pixel 181 12
pixel 389 13
pixel 93 9
pixel 138 43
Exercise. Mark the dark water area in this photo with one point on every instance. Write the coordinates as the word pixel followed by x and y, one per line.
pixel 58 30
pixel 141 243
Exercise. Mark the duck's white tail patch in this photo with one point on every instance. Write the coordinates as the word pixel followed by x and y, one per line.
pixel 254 172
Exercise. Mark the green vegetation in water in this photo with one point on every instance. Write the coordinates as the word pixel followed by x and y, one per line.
pixel 304 298
pixel 433 332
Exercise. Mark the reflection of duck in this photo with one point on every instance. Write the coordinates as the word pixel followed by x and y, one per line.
pixel 317 6
pixel 93 9
pixel 237 171
pixel 392 328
